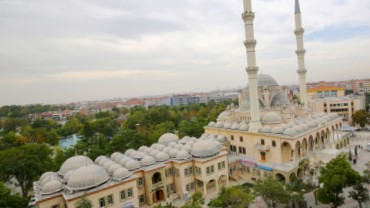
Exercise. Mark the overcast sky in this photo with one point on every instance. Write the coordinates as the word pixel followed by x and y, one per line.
pixel 58 51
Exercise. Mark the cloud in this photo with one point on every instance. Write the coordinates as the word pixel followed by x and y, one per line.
pixel 92 49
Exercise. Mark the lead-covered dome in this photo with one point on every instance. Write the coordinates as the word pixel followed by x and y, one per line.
pixel 165 139
pixel 74 163
pixel 52 187
pixel 182 155
pixel 161 157
pixel 271 118
pixel 147 160
pixel 204 148
pixel 87 177
pixel 132 165
pixel 265 80
pixel 121 173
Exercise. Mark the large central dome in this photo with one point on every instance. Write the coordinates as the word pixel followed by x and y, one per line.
pixel 265 80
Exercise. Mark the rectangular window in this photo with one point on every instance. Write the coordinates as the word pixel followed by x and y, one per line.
pixel 240 150
pixel 56 206
pixel 170 171
pixel 123 195
pixel 140 182
pixel 212 170
pixel 191 170
pixel 262 142
pixel 187 187
pixel 102 202
pixel 142 199
pixel 241 139
pixel 186 172
pixel 219 166
pixel 129 193
pixel 223 164
pixel 232 137
pixel 273 143
pixel 110 200
pixel 192 186
pixel 208 170
pixel 244 152
pixel 172 188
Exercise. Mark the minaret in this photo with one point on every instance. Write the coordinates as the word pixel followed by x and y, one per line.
pixel 252 69
pixel 300 54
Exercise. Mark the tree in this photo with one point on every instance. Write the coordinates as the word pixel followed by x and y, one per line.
pixel 7 200
pixel 197 201
pixel 335 176
pixel 360 117
pixel 233 197
pixel 271 191
pixel 83 203
pixel 359 193
pixel 25 163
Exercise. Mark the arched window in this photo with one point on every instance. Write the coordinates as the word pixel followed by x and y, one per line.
pixel 156 178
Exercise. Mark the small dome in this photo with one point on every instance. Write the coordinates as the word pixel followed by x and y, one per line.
pixel 74 163
pixel 173 153
pixel 137 155
pixel 266 129
pixel 160 147
pixel 121 173
pixel 312 124
pixel 98 159
pixel 112 168
pixel 235 126
pixel 204 148
pixel 107 164
pixel 182 155
pixel 219 124
pixel 51 187
pixel 243 126
pixel 124 160
pixel 154 153
pixel 284 126
pixel 186 148
pixel 148 150
pixel 118 157
pixel 161 157
pixel 271 118
pixel 167 150
pixel 132 165
pixel 165 139
pixel 127 152
pixel 304 127
pixel 87 177
pixel 298 121
pixel 47 174
pixel 190 143
pixel 113 155
pixel 290 132
pixel 221 139
pixel 212 124
pixel 298 129
pixel 147 160
pixel 103 161
pixel 227 125
pixel 218 144
pixel 142 148
pixel 223 115
pixel 172 144
pixel 48 178
pixel 154 146
pixel 277 130
pixel 179 146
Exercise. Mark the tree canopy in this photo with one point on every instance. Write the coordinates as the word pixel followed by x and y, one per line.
pixel 272 191
pixel 361 117
pixel 233 197
pixel 335 176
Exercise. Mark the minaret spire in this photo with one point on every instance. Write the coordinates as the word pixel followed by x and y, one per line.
pixel 300 54
pixel 252 69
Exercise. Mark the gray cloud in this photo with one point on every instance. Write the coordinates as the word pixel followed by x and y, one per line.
pixel 55 51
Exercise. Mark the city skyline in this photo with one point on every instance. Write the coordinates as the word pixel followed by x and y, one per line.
pixel 55 52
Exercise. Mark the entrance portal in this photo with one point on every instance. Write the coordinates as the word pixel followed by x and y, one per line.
pixel 158 196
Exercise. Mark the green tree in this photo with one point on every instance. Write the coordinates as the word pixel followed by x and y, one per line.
pixel 25 163
pixel 83 203
pixel 360 117
pixel 197 201
pixel 359 193
pixel 7 200
pixel 335 176
pixel 271 191
pixel 233 197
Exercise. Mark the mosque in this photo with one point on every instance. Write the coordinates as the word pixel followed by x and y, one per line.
pixel 266 135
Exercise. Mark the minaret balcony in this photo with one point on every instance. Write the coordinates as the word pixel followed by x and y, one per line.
pixel 250 43
pixel 299 32
pixel 300 52
pixel 252 70
pixel 248 16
